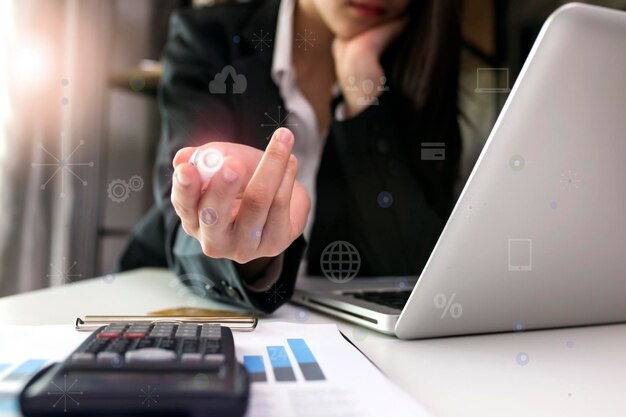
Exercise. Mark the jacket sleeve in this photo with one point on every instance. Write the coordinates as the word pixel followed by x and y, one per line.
pixel 191 116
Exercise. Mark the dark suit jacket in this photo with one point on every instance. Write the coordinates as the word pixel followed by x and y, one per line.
pixel 363 156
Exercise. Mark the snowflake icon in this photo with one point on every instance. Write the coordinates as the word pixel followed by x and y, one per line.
pixel 305 40
pixel 570 180
pixel 63 273
pixel 261 40
pixel 276 293
pixel 148 395
pixel 62 164
pixel 65 393
pixel 279 121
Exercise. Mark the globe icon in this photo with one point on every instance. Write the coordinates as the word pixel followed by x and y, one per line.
pixel 340 261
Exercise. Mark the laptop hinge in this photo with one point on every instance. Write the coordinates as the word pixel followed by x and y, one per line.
pixel 369 319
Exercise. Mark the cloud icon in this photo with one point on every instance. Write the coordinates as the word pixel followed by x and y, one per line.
pixel 228 75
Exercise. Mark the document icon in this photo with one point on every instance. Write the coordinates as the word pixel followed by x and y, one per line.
pixel 520 254
pixel 433 151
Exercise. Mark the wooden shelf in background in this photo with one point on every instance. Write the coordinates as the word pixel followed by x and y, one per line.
pixel 138 80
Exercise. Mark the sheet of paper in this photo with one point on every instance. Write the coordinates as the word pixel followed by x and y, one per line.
pixel 297 369
pixel 24 350
pixel 311 370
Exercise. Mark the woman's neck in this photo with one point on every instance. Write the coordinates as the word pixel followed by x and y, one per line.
pixel 313 62
pixel 312 39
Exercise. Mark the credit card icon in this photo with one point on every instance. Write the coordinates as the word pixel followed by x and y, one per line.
pixel 433 151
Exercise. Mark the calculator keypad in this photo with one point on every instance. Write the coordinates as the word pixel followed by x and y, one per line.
pixel 158 346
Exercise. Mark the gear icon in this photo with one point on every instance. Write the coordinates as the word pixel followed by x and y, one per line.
pixel 119 190
pixel 135 183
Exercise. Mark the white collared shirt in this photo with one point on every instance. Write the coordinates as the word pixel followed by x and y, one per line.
pixel 302 120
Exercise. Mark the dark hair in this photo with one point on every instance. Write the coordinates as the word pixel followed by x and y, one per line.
pixel 425 63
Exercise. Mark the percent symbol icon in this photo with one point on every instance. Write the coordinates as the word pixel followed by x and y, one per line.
pixel 448 305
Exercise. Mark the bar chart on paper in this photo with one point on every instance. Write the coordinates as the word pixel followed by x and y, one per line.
pixel 20 371
pixel 25 355
pixel 311 370
pixel 282 364
pixel 12 377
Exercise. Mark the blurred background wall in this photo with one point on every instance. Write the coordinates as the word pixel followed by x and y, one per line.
pixel 79 121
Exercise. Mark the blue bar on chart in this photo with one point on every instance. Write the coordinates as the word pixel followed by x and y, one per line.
pixel 26 369
pixel 256 368
pixel 308 365
pixel 280 364
pixel 9 404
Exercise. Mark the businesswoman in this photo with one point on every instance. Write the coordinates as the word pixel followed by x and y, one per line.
pixel 357 86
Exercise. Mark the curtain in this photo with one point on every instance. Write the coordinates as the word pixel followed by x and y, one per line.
pixel 53 92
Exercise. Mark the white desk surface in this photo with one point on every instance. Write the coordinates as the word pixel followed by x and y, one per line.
pixel 570 372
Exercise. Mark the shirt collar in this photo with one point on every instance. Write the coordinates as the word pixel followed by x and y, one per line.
pixel 283 41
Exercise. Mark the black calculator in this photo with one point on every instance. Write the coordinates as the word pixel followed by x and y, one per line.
pixel 144 369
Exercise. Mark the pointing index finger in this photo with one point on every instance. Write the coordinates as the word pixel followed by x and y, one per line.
pixel 259 194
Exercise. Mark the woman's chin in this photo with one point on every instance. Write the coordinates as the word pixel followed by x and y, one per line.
pixel 350 31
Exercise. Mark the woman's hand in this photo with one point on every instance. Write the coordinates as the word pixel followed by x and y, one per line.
pixel 252 209
pixel 357 64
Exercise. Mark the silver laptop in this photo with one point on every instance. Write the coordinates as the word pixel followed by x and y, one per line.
pixel 537 238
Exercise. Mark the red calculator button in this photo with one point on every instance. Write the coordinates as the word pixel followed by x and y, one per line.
pixel 106 335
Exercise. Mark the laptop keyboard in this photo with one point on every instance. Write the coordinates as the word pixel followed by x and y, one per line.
pixel 393 299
